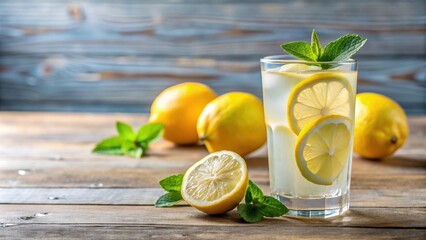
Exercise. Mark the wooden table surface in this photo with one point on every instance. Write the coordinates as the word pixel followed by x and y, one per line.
pixel 52 187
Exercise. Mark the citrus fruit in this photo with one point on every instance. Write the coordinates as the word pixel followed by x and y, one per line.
pixel 233 121
pixel 323 148
pixel 380 126
pixel 320 95
pixel 217 183
pixel 178 108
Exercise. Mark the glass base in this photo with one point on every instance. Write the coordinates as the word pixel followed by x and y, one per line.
pixel 314 207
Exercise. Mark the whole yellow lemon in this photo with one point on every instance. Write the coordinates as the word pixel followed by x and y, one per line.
pixel 178 108
pixel 234 122
pixel 381 126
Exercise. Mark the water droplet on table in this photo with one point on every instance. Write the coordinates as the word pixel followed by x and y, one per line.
pixel 56 157
pixel 94 185
pixel 7 225
pixel 44 214
pixel 53 198
pixel 23 172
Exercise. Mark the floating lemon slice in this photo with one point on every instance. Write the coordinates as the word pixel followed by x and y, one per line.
pixel 319 95
pixel 323 148
pixel 217 183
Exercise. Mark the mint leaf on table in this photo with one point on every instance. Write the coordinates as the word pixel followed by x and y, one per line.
pixel 127 143
pixel 169 199
pixel 125 131
pixel 302 50
pixel 250 213
pixel 135 153
pixel 258 206
pixel 110 146
pixel 253 192
pixel 172 184
pixel 341 49
pixel 272 207
pixel 149 132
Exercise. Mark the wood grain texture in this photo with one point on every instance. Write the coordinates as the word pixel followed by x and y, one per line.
pixel 207 28
pixel 101 56
pixel 99 195
pixel 59 82
pixel 186 216
pixel 55 150
pixel 136 232
pixel 52 187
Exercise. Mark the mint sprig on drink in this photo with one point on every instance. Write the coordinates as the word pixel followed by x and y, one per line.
pixel 128 142
pixel 340 49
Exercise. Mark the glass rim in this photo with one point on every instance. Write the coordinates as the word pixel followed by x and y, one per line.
pixel 290 59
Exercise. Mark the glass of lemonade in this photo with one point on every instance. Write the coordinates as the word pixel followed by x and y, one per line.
pixel 309 113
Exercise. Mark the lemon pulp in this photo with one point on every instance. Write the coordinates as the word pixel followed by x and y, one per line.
pixel 216 183
pixel 319 95
pixel 323 148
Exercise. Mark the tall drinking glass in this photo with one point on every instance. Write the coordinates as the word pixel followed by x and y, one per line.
pixel 309 112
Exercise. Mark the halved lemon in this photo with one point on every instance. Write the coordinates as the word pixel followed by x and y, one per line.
pixel 319 95
pixel 217 183
pixel 323 148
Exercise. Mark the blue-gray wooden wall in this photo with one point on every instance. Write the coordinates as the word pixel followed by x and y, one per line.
pixel 116 56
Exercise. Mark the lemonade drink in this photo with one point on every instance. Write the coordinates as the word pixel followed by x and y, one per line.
pixel 309 113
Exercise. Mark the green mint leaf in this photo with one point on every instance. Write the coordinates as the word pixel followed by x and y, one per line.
pixel 109 146
pixel 249 213
pixel 316 44
pixel 125 131
pixel 253 192
pixel 149 132
pixel 127 145
pixel 135 153
pixel 111 151
pixel 169 199
pixel 271 207
pixel 143 145
pixel 300 50
pixel 172 183
pixel 342 48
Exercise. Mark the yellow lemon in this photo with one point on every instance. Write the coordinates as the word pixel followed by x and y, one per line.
pixel 319 95
pixel 381 126
pixel 234 121
pixel 323 148
pixel 178 108
pixel 217 183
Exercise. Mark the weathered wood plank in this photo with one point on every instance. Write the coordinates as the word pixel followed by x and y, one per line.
pixel 188 216
pixel 148 196
pixel 117 56
pixel 124 172
pixel 150 178
pixel 41 134
pixel 188 29
pixel 136 232
pixel 129 84
pixel 54 151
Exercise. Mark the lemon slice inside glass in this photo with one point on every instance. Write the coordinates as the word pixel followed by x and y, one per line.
pixel 319 95
pixel 217 183
pixel 323 148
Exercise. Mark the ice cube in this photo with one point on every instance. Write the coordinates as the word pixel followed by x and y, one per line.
pixel 298 67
